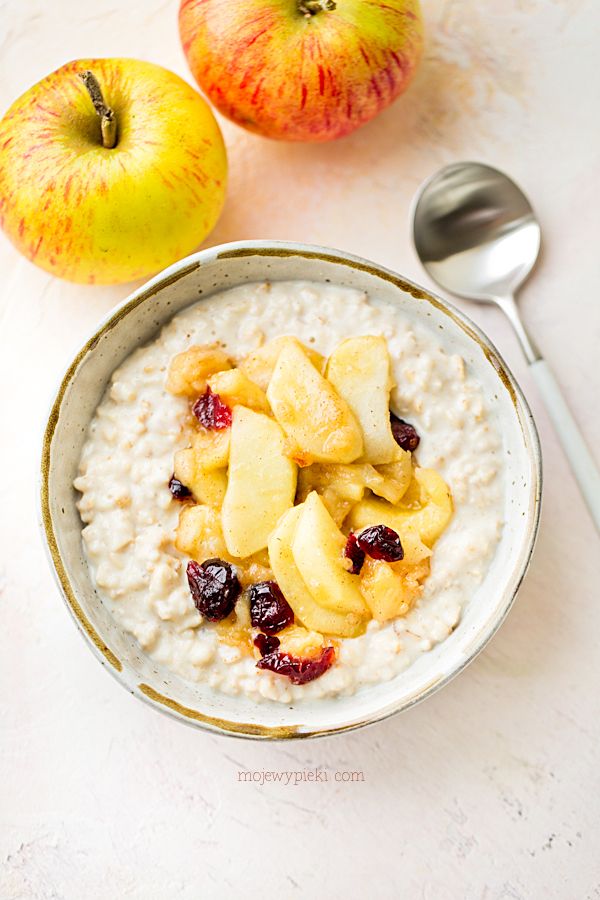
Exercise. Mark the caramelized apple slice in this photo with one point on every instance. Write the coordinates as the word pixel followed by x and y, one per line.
pixel 347 481
pixel 341 486
pixel 262 482
pixel 259 364
pixel 199 534
pixel 318 549
pixel 386 592
pixel 426 511
pixel 234 388
pixel 207 485
pixel 397 476
pixel 317 422
pixel 359 369
pixel 189 370
pixel 301 642
pixel 306 610
pixel 212 448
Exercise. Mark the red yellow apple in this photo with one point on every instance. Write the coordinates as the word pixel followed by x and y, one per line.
pixel 112 176
pixel 301 70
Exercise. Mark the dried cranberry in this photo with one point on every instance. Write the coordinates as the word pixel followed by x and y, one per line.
pixel 269 610
pixel 404 433
pixel 214 587
pixel 381 542
pixel 354 553
pixel 179 490
pixel 266 644
pixel 299 671
pixel 211 412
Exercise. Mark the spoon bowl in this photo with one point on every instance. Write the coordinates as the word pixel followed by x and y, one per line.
pixel 475 232
pixel 477 236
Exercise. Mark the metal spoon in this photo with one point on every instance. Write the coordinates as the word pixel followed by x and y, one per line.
pixel 477 236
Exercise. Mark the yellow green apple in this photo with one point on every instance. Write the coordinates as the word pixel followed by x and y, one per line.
pixel 301 70
pixel 110 170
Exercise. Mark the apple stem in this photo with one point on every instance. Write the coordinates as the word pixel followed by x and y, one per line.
pixel 310 8
pixel 108 121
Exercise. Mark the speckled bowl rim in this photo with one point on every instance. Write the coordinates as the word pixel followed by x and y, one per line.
pixel 281 249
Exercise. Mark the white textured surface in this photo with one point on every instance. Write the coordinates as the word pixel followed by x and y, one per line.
pixel 490 789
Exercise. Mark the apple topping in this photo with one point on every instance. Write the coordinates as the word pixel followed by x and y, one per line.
pixel 350 482
pixel 397 477
pixel 340 487
pixel 306 609
pixel 254 569
pixel 199 534
pixel 234 630
pixel 206 485
pixel 189 370
pixel 347 481
pixel 318 550
pixel 317 421
pixel 234 388
pixel 387 592
pixel 425 509
pixel 262 482
pixel 360 371
pixel 260 364
pixel 260 525
pixel 212 448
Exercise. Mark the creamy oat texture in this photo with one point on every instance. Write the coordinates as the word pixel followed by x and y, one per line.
pixel 130 517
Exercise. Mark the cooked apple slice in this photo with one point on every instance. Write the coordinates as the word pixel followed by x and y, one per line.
pixel 207 485
pixel 437 510
pixel 339 486
pixel 301 642
pixel 318 423
pixel 199 533
pixel 190 369
pixel 426 511
pixel 212 448
pixel 360 370
pixel 397 476
pixel 347 481
pixel 262 482
pixel 184 467
pixel 377 512
pixel 318 549
pixel 307 611
pixel 233 387
pixel 386 592
pixel 259 364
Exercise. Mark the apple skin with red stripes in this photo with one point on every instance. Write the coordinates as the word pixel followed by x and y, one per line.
pixel 302 70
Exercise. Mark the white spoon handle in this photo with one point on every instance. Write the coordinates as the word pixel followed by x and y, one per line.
pixel 583 465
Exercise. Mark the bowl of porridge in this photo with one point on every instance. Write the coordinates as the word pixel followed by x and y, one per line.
pixel 287 492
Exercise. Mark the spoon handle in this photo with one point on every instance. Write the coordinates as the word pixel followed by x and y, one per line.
pixel 582 463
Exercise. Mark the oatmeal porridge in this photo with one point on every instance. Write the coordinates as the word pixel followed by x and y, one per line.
pixel 291 493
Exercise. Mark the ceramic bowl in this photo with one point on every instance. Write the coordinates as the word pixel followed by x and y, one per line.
pixel 134 323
